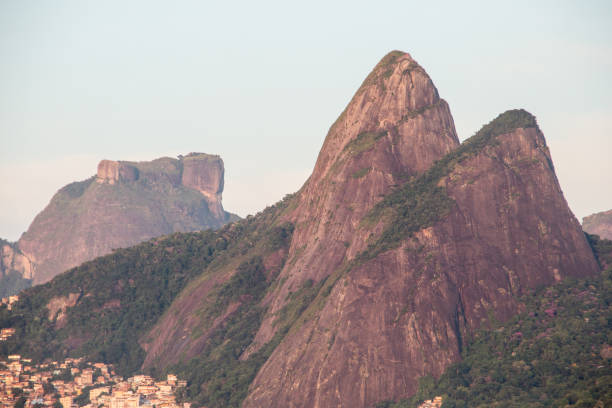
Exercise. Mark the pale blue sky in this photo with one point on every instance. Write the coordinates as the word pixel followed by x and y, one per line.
pixel 261 82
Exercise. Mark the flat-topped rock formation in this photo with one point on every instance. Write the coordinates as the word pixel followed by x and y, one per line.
pixel 123 204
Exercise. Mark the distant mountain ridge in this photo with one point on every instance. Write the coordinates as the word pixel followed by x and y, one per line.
pixel 15 269
pixel 599 224
pixel 399 247
pixel 124 204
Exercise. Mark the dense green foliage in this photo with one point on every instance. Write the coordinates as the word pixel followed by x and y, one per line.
pixel 120 296
pixel 363 142
pixel 216 376
pixel 556 354
pixel 602 248
pixel 421 202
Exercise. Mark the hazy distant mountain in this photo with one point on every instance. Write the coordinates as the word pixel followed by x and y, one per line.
pixel 15 269
pixel 599 224
pixel 401 245
pixel 124 204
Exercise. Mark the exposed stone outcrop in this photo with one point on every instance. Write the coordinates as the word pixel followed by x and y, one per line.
pixel 13 259
pixel 112 172
pixel 403 314
pixel 125 203
pixel 599 224
pixel 204 172
pixel 401 244
pixel 16 269
pixel 383 319
pixel 57 306
pixel 395 126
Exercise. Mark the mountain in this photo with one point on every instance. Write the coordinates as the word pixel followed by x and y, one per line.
pixel 15 269
pixel 599 224
pixel 124 204
pixel 557 353
pixel 401 245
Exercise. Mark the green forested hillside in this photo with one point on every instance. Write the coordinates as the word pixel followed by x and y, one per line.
pixel 119 297
pixel 557 353
pixel 541 358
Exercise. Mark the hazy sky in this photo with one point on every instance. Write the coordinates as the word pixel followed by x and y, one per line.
pixel 260 82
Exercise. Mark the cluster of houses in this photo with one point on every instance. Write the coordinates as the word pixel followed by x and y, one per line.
pixel 8 301
pixel 5 334
pixel 75 383
pixel 434 403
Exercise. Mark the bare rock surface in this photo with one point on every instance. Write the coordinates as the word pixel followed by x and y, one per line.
pixel 599 224
pixel 16 269
pixel 385 315
pixel 124 204
pixel 403 314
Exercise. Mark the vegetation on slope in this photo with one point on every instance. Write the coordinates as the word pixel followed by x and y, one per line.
pixel 556 354
pixel 122 295
pixel 421 202
pixel 119 295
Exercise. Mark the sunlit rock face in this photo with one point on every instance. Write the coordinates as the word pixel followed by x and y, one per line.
pixel 599 224
pixel 125 203
pixel 404 313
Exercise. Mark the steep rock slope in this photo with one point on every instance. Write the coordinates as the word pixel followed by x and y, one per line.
pixel 15 269
pixel 395 126
pixel 125 203
pixel 403 243
pixel 599 224
pixel 401 309
pixel 399 246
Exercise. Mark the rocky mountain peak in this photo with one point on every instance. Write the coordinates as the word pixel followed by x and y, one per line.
pixel 599 224
pixel 399 248
pixel 395 127
pixel 393 95
pixel 123 204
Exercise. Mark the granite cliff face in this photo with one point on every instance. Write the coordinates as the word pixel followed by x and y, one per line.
pixel 407 242
pixel 15 269
pixel 599 224
pixel 401 244
pixel 400 303
pixel 125 203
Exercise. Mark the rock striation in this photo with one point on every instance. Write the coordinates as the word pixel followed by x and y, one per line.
pixel 16 269
pixel 412 240
pixel 599 224
pixel 400 312
pixel 124 204
pixel 399 247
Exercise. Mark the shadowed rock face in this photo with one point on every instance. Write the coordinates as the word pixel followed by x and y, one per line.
pixel 15 269
pixel 205 174
pixel 125 203
pixel 599 224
